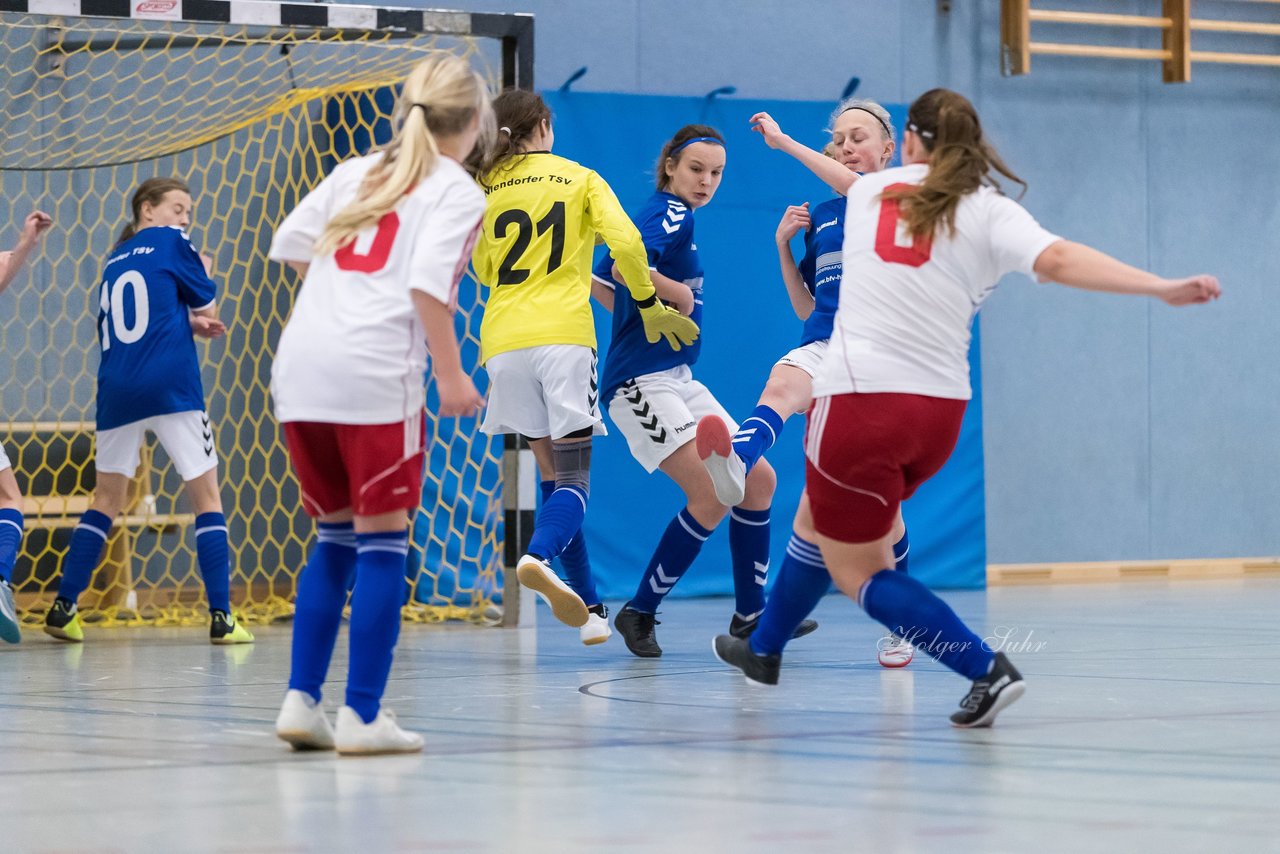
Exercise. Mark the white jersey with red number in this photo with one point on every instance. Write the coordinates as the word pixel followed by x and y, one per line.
pixel 906 306
pixel 354 351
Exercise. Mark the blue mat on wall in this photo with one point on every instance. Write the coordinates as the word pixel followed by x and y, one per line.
pixel 748 324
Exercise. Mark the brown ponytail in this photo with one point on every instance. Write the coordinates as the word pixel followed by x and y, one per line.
pixel 672 151
pixel 151 191
pixel 960 161
pixel 518 113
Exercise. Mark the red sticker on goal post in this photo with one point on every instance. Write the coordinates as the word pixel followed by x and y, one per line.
pixel 158 10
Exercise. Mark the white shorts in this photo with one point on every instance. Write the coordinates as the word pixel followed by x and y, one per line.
pixel 552 390
pixel 806 357
pixel 185 436
pixel 659 413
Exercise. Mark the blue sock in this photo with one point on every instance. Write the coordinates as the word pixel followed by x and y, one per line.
pixel 749 550
pixel 10 540
pixel 574 560
pixel 215 560
pixel 322 592
pixel 87 541
pixel 375 617
pixel 560 519
pixel 802 582
pixel 910 610
pixel 676 551
pixel 900 551
pixel 757 434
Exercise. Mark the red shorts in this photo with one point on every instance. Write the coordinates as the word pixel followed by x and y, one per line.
pixel 867 453
pixel 370 468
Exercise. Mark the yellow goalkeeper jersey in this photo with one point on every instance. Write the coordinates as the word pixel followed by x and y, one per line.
pixel 542 215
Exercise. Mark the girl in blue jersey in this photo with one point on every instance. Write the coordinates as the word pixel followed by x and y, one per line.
pixel 656 402
pixel 11 519
pixel 155 295
pixel 862 140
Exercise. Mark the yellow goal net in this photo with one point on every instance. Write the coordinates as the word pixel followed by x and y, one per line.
pixel 251 103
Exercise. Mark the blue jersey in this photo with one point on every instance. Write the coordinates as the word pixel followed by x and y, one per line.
pixel 821 267
pixel 149 364
pixel 666 224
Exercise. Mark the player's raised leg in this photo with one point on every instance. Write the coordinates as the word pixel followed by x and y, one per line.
pixel 729 458
pixel 559 521
pixel 575 561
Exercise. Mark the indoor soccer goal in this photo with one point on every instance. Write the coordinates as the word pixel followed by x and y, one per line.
pixel 251 103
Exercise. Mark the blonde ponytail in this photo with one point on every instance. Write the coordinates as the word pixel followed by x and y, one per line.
pixel 960 161
pixel 440 97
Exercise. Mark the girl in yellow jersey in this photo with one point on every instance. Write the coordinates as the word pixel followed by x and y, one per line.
pixel 542 218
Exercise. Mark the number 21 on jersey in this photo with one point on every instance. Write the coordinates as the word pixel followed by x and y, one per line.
pixel 112 304
pixel 508 272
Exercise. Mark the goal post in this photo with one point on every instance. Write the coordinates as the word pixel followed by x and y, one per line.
pixel 251 103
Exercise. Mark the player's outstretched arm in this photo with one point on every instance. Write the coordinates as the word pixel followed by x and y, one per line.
pixel 1083 267
pixel 619 233
pixel 458 395
pixel 673 293
pixel 33 228
pixel 835 175
pixel 795 220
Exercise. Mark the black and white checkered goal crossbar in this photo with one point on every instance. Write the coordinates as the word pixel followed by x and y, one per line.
pixel 515 30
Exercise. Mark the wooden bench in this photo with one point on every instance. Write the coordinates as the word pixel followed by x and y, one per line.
pixel 56 493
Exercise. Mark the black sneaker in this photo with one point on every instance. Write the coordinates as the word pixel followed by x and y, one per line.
pixel 990 694
pixel 743 629
pixel 760 669
pixel 225 630
pixel 636 629
pixel 63 621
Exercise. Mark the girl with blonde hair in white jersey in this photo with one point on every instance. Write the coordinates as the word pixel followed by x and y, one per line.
pixel 925 244
pixel 382 243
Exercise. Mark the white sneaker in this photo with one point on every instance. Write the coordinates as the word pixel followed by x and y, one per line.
pixel 728 471
pixel 596 629
pixel 302 723
pixel 10 628
pixel 539 577
pixel 354 737
pixel 895 651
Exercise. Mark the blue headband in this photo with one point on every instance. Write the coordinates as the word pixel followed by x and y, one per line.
pixel 689 142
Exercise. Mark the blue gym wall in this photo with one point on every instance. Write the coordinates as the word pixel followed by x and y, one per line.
pixel 747 324
pixel 1114 428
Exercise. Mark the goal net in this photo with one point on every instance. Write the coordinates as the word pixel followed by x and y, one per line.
pixel 251 103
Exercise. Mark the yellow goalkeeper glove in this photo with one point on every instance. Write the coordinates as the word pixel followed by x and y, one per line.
pixel 662 321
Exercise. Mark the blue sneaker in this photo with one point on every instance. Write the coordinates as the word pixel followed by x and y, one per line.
pixel 10 630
